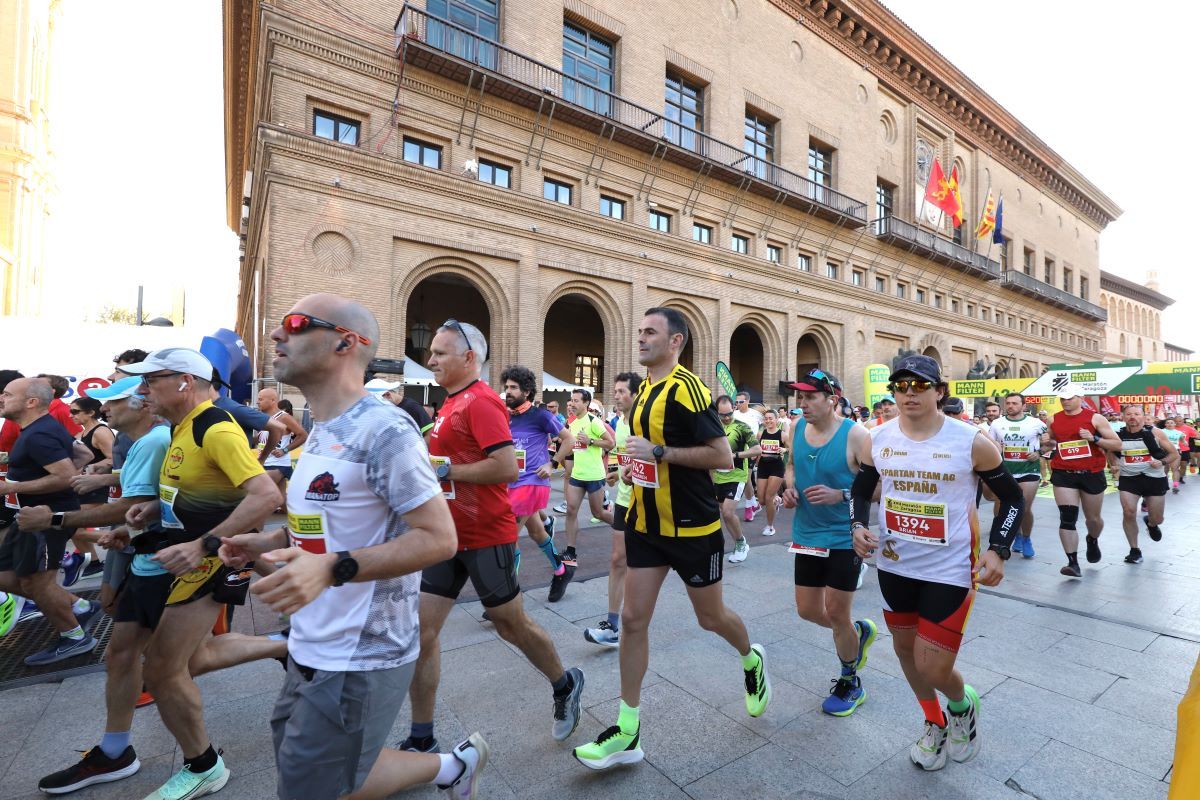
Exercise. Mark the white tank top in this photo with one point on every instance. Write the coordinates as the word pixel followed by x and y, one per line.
pixel 284 460
pixel 928 526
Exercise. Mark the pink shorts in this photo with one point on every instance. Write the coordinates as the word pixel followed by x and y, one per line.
pixel 528 500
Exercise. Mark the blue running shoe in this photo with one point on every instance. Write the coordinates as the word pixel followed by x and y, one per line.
pixel 61 650
pixel 72 568
pixel 867 631
pixel 30 611
pixel 85 617
pixel 846 695
pixel 1027 547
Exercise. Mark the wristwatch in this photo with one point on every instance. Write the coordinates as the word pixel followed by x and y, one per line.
pixel 443 472
pixel 211 544
pixel 345 568
pixel 1001 550
pixel 846 495
pixel 57 519
pixel 659 452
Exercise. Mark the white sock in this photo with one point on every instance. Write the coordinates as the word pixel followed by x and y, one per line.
pixel 450 770
pixel 80 606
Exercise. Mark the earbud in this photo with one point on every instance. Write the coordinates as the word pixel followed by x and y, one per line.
pixel 182 386
pixel 342 345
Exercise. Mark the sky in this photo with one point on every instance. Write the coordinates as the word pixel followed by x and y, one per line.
pixel 1106 87
pixel 138 128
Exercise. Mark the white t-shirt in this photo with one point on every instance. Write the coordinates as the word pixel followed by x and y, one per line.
pixel 359 474
pixel 751 417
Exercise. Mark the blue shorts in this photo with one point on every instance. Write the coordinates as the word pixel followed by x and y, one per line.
pixel 588 486
pixel 285 471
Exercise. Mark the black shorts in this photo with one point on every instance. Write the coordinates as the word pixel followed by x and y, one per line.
pixel 492 571
pixel 838 570
pixel 286 472
pixel 94 498
pixel 1029 478
pixel 1143 485
pixel 30 552
pixel 728 491
pixel 938 611
pixel 143 598
pixel 224 584
pixel 619 513
pixel 770 468
pixel 1086 482
pixel 698 559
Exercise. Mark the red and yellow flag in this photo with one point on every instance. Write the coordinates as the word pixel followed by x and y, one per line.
pixel 987 220
pixel 957 215
pixel 943 193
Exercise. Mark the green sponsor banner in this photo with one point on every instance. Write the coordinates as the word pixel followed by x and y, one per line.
pixel 1160 383
pixel 725 380
pixel 875 382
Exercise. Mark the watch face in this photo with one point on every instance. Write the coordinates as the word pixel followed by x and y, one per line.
pixel 924 161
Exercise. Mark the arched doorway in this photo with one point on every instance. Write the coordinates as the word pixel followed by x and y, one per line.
pixel 1026 371
pixel 434 300
pixel 933 353
pixel 687 358
pixel 746 360
pixel 573 342
pixel 808 354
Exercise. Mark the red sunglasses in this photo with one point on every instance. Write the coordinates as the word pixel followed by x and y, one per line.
pixel 299 323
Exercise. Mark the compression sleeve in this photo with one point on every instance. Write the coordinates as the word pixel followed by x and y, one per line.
pixel 1007 521
pixel 862 491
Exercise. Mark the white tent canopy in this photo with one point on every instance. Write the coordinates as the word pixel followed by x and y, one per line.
pixel 553 384
pixel 416 375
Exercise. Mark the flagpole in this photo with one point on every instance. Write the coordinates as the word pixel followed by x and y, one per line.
pixel 975 248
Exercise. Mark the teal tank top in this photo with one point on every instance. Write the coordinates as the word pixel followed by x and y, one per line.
pixel 814 525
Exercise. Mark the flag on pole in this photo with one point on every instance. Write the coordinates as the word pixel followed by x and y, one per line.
pixel 956 216
pixel 987 220
pixel 939 191
pixel 998 233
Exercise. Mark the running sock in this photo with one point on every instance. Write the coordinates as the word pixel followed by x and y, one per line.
pixel 80 606
pixel 849 668
pixel 450 770
pixel 750 660
pixel 628 719
pixel 201 763
pixel 614 619
pixel 562 685
pixel 74 633
pixel 421 730
pixel 1073 558
pixel 113 744
pixel 547 548
pixel 933 712
pixel 959 707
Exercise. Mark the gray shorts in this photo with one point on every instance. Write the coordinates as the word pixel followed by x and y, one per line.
pixel 330 726
pixel 116 564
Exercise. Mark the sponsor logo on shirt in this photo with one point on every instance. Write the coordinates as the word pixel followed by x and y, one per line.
pixel 888 452
pixel 175 459
pixel 940 455
pixel 323 488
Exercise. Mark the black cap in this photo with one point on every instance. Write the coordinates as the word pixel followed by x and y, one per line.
pixel 923 367
pixel 953 406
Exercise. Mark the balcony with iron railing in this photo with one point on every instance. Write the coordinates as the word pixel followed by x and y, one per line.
pixel 935 247
pixel 1032 287
pixel 439 46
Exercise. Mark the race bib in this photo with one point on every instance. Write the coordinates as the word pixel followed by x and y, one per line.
pixel 924 523
pixel 114 492
pixel 520 460
pixel 1015 453
pixel 1073 451
pixel 579 445
pixel 623 458
pixel 308 531
pixel 770 447
pixel 166 507
pixel 10 500
pixel 447 486
pixel 644 473
pixel 1137 456
pixel 805 550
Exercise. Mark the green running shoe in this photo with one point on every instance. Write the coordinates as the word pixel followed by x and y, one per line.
pixel 8 612
pixel 610 749
pixel 758 684
pixel 186 785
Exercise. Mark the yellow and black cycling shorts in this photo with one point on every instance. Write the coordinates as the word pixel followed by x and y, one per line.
pixel 212 577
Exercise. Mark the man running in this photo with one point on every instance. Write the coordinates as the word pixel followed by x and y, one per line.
pixel 819 472
pixel 1179 442
pixel 608 632
pixel 1141 467
pixel 532 428
pixel 40 469
pixel 278 462
pixel 472 447
pixel 930 465
pixel 729 483
pixel 591 440
pixel 210 486
pixel 366 514
pixel 1193 440
pixel 1019 437
pixel 673 523
pixel 393 392
pixel 753 418
pixel 1080 438
pixel 887 412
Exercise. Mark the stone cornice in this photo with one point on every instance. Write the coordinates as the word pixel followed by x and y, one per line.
pixel 1134 291
pixel 870 34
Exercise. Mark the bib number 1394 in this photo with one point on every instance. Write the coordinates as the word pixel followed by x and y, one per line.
pixel 924 523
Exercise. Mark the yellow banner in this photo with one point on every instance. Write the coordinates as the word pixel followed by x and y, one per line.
pixel 995 387
pixel 1159 367
pixel 875 382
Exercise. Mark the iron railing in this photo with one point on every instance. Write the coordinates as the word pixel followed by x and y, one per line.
pixel 1031 285
pixel 936 246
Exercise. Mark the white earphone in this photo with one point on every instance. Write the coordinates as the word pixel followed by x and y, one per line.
pixel 182 386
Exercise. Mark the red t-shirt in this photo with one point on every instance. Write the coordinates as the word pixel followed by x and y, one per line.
pixel 1071 452
pixel 9 431
pixel 472 423
pixel 61 412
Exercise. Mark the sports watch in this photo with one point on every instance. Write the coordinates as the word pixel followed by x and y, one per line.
pixel 57 520
pixel 211 544
pixel 659 452
pixel 443 472
pixel 345 568
pixel 1001 550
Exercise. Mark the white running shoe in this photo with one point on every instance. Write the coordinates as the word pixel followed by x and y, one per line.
pixel 741 549
pixel 929 752
pixel 473 753
pixel 964 733
pixel 769 530
pixel 561 508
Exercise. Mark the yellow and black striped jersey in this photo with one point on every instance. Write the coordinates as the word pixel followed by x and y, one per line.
pixel 675 411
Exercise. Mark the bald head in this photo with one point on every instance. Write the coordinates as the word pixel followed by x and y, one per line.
pixel 350 315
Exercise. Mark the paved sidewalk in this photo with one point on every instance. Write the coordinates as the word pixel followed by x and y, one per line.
pixel 1080 681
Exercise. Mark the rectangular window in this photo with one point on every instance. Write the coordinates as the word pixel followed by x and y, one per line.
pixel 921 296
pixel 1030 261
pixel 495 174
pixel 588 370
pixel 880 284
pixel 336 128
pixel 831 270
pixel 804 263
pixel 612 207
pixel 1068 283
pixel 758 142
pixel 985 315
pixel 423 153
pixel 955 306
pixel 885 195
pixel 858 277
pixel 660 221
pixel 481 17
pixel 684 112
pixel 739 244
pixel 1049 273
pixel 702 233
pixel 557 192
pixel 774 253
pixel 970 310
pixel 820 171
pixel 588 63
pixel 938 301
pixel 1021 326
pixel 901 290
pixel 1004 255
pixel 1083 287
pixel 958 233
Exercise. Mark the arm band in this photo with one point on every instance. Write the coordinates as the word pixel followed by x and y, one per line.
pixel 861 492
pixel 1007 521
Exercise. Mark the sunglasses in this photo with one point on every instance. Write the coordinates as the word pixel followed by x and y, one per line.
pixel 455 325
pixel 299 323
pixel 725 416
pixel 902 386
pixel 148 380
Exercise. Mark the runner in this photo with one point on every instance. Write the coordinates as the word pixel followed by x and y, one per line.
pixel 886 413
pixel 753 418
pixel 210 486
pixel 1044 465
pixel 823 462
pixel 673 523
pixel 278 462
pixel 1019 438
pixel 1141 467
pixel 40 469
pixel 1080 438
pixel 929 466
pixel 1179 442
pixel 991 413
pixel 729 483
pixel 366 515
pixel 591 439
pixel 1193 440
pixel 532 428
pixel 772 444
pixel 472 446
pixel 607 633
pixel 393 392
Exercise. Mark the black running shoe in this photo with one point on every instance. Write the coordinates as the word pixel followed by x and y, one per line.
pixel 94 767
pixel 1093 549
pixel 1154 531
pixel 1071 570
pixel 1134 557
pixel 425 744
pixel 558 584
